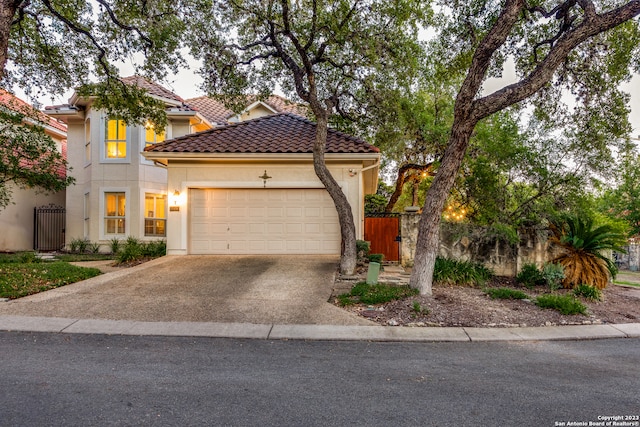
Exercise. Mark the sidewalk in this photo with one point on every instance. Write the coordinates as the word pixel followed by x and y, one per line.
pixel 314 332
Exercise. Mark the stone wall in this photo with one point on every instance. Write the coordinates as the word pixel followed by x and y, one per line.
pixel 468 243
pixel 629 260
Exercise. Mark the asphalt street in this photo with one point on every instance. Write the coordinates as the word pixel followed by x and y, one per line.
pixel 96 380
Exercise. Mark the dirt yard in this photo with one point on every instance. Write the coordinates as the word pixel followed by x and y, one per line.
pixel 471 307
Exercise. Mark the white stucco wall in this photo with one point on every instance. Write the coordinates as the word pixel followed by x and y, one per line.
pixel 184 176
pixel 16 220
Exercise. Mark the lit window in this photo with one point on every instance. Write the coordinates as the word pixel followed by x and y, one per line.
pixel 116 139
pixel 114 213
pixel 155 214
pixel 151 137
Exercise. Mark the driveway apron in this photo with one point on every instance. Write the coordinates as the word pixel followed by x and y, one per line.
pixel 249 289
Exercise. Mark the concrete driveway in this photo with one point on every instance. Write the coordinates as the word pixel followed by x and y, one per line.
pixel 251 289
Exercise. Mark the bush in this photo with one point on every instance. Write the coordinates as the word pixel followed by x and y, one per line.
pixel 530 276
pixel 94 248
pixel 589 292
pixel 114 245
pixel 505 293
pixel 553 274
pixel 375 294
pixel 363 247
pixel 131 251
pixel 155 249
pixel 565 304
pixel 376 258
pixel 465 273
pixel 29 257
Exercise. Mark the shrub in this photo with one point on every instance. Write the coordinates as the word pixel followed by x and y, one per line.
pixel 29 257
pixel 363 247
pixel 376 258
pixel 155 249
pixel 589 292
pixel 375 294
pixel 465 273
pixel 565 304
pixel 114 245
pixel 553 275
pixel 530 276
pixel 131 251
pixel 505 293
pixel 94 248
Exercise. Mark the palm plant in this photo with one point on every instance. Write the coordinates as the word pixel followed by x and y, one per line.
pixel 583 244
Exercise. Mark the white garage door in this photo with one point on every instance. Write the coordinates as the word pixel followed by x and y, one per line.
pixel 263 221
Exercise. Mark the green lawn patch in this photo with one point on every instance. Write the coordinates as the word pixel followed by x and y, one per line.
pixel 375 294
pixel 22 279
pixel 84 257
pixel 622 282
pixel 565 304
pixel 505 293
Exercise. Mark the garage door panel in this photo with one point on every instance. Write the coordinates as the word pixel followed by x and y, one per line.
pixel 245 221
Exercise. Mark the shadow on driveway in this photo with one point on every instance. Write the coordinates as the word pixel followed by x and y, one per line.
pixel 247 289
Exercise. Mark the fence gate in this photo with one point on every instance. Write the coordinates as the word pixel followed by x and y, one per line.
pixel 48 228
pixel 384 234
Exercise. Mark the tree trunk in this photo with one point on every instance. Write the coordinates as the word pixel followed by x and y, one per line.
pixel 7 12
pixel 429 228
pixel 349 254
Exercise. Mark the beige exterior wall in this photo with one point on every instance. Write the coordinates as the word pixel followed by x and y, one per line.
pixel 95 175
pixel 219 174
pixel 16 220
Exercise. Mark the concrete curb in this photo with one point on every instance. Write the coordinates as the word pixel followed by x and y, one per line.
pixel 314 332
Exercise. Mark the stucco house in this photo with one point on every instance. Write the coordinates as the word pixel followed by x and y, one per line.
pixel 17 219
pixel 250 188
pixel 126 187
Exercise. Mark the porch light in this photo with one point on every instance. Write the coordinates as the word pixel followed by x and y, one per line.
pixel 176 197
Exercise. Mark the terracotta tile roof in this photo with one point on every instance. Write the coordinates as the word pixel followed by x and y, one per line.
pixel 16 104
pixel 152 88
pixel 278 133
pixel 215 111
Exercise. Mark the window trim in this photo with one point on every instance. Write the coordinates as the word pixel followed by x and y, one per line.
pixel 127 212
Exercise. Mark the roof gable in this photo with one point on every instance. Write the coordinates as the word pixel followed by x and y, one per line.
pixel 152 88
pixel 279 133
pixel 215 111
pixel 16 104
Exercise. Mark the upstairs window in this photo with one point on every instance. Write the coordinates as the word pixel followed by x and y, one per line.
pixel 151 137
pixel 116 139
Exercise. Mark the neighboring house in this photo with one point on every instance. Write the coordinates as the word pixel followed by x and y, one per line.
pixel 250 188
pixel 118 193
pixel 121 192
pixel 17 219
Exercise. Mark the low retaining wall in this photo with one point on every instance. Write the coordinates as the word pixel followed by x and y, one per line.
pixel 469 243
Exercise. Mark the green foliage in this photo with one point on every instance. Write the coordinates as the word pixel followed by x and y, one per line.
pixel 94 247
pixel 623 200
pixel 463 273
pixel 553 274
pixel 134 250
pixel 505 293
pixel 29 158
pixel 79 245
pixel 376 258
pixel 530 276
pixel 28 257
pixel 565 304
pixel 375 203
pixel 22 279
pixel 584 244
pixel 114 245
pixel 588 292
pixel 375 294
pixel 363 246
pixel 418 309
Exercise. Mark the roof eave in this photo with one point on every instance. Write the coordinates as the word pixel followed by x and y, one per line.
pixel 166 157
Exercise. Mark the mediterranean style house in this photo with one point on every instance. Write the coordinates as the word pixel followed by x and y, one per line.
pixel 17 219
pixel 214 181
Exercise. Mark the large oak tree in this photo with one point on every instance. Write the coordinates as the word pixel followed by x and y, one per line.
pixel 331 54
pixel 583 45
